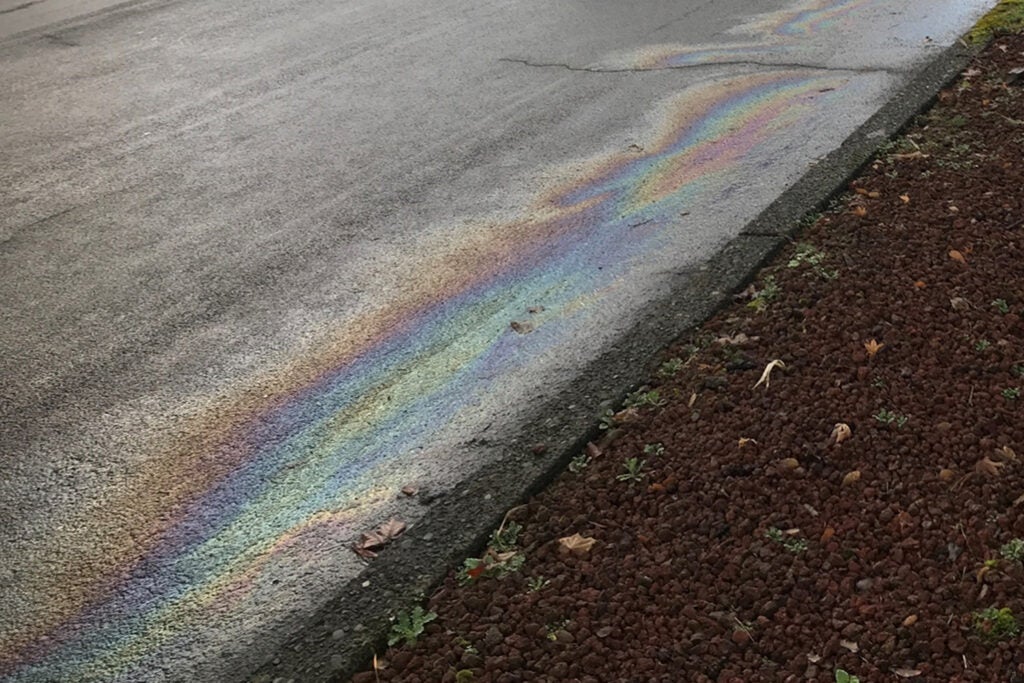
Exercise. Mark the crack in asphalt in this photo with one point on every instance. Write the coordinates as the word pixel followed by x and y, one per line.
pixel 742 62
pixel 24 5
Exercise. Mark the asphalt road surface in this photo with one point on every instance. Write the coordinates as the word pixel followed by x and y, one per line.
pixel 260 261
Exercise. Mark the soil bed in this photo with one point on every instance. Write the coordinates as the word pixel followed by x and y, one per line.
pixel 758 541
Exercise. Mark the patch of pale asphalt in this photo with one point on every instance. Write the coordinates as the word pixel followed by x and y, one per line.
pixel 260 263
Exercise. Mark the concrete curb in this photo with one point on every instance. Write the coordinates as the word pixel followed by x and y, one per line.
pixel 342 638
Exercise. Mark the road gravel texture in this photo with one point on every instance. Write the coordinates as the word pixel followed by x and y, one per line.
pixel 860 507
pixel 261 261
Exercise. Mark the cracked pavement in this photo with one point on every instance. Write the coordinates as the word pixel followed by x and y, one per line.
pixel 260 263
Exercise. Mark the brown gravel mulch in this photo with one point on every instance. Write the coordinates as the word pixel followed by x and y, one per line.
pixel 759 541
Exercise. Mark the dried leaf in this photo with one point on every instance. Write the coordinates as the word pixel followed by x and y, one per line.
pixel 841 432
pixel 957 256
pixel 1019 501
pixel 851 478
pixel 372 541
pixel 873 194
pixel 524 327
pixel 916 154
pixel 744 441
pixel 907 673
pixel 767 374
pixel 850 645
pixel 693 399
pixel 1007 453
pixel 736 340
pixel 789 463
pixel 979 576
pixel 910 620
pixel 409 491
pixel 813 658
pixel 593 450
pixel 827 534
pixel 946 474
pixel 988 467
pixel 959 303
pixel 905 198
pixel 920 284
pixel 872 347
pixel 576 544
pixel 860 211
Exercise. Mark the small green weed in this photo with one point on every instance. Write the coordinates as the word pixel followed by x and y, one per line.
pixel 579 463
pixel 1013 550
pixel 793 545
pixel 489 566
pixel 654 449
pixel 633 470
pixel 671 367
pixel 1017 369
pixel 888 417
pixel 1011 393
pixel 808 254
pixel 769 291
pixel 409 626
pixel 642 398
pixel 537 583
pixel 982 345
pixel 844 677
pixel 995 624
pixel 1001 306
pixel 464 676
pixel 505 539
pixel 608 420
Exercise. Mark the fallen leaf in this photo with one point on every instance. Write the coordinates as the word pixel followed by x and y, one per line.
pixel 872 347
pixel 693 399
pixel 372 541
pixel 959 303
pixel 576 544
pixel 905 198
pixel 860 211
pixel 910 620
pixel 827 534
pixel 840 433
pixel 851 478
pixel 744 441
pixel 979 576
pixel 971 72
pixel 1019 501
pixel 907 673
pixel 789 463
pixel 916 154
pixel 988 466
pixel 1007 453
pixel 813 658
pixel 954 209
pixel 792 532
pixel 850 645
pixel 409 491
pixel 873 194
pixel 957 256
pixel 521 327
pixel 767 374
pixel 736 340
pixel 920 284
pixel 946 474
pixel 593 450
